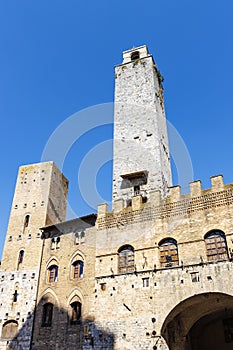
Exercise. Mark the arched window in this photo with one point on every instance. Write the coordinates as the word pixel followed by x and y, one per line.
pixel 9 330
pixel 135 56
pixel 52 273
pixel 26 220
pixel 47 315
pixel 20 258
pixel 168 252
pixel 216 245
pixel 126 259
pixel 75 312
pixel 15 296
pixel 78 269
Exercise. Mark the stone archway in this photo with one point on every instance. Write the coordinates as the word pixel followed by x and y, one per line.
pixel 201 322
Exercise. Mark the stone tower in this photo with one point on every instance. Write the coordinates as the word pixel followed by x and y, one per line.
pixel 39 200
pixel 141 153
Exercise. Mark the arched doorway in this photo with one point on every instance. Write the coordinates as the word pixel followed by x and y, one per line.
pixel 201 322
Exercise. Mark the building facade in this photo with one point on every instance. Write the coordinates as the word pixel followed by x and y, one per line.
pixel 153 273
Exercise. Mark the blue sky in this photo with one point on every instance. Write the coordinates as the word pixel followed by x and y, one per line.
pixel 57 57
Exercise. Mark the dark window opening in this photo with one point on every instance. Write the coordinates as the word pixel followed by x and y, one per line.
pixel 15 296
pixel 136 190
pixel 20 258
pixel 26 221
pixel 126 259
pixel 103 286
pixel 75 312
pixel 47 315
pixel 135 56
pixel 195 276
pixel 168 253
pixel 216 246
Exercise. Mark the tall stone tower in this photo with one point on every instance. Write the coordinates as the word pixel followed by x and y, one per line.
pixel 141 153
pixel 39 200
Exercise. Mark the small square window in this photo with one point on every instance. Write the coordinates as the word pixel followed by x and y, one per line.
pixel 145 282
pixel 195 277
pixel 103 286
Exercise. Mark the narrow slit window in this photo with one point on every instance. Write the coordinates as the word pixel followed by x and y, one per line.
pixel 26 221
pixel 20 258
pixel 15 296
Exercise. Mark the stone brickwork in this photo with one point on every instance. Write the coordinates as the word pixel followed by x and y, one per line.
pixel 77 242
pixel 22 311
pixel 40 197
pixel 141 155
pixel 154 273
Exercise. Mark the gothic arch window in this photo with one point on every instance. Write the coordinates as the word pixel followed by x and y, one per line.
pixel 126 259
pixel 216 245
pixel 135 56
pixel 75 314
pixel 168 252
pixel 47 315
pixel 20 259
pixel 26 221
pixel 52 273
pixel 77 269
pixel 10 330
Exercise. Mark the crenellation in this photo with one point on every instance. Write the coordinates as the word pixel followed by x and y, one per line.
pixel 102 209
pixel 217 183
pixel 136 202
pixel 174 194
pixel 195 188
pixel 118 205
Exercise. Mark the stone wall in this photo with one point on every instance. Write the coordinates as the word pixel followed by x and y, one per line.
pixel 140 135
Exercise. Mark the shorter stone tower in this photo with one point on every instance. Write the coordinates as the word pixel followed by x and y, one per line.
pixel 141 153
pixel 40 199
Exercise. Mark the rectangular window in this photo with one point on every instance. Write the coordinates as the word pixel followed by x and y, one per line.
pixel 195 276
pixel 145 282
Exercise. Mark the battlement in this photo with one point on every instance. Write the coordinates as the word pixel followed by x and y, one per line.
pixel 175 204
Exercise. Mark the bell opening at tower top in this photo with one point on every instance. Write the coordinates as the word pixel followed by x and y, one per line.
pixel 135 56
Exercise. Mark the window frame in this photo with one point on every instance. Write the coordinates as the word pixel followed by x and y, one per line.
pixel 216 245
pixel 168 252
pixel 77 269
pixel 53 273
pixel 126 259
